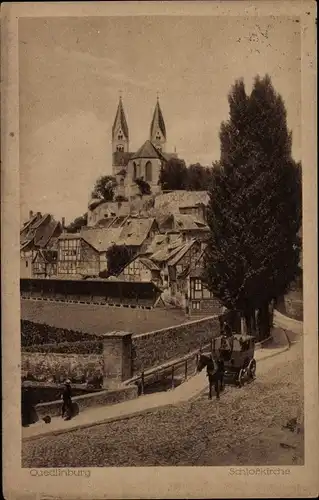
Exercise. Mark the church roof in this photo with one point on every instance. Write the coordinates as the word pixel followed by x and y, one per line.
pixel 121 158
pixel 148 150
pixel 120 119
pixel 158 121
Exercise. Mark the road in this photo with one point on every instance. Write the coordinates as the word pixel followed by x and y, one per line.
pixel 245 427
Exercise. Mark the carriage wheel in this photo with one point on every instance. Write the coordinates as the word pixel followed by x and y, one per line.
pixel 252 368
pixel 241 377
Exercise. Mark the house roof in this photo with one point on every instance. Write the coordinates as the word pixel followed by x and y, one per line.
pixel 167 252
pixel 106 222
pixel 162 240
pixel 157 121
pixel 39 231
pixel 148 150
pixel 135 231
pixel 149 264
pixel 176 258
pixel 45 233
pixel 69 236
pixel 100 238
pixel 30 222
pixel 185 222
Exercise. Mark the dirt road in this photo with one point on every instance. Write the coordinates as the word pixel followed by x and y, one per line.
pixel 245 427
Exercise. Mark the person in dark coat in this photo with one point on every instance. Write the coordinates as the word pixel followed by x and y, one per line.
pixel 67 400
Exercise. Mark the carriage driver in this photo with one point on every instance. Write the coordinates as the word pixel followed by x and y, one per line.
pixel 227 342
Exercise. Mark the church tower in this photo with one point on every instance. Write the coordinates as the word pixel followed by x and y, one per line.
pixel 158 130
pixel 120 134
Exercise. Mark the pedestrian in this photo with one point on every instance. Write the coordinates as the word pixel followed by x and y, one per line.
pixel 67 400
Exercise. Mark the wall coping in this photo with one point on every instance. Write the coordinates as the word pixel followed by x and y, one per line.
pixel 83 397
pixel 188 323
pixel 119 334
pixel 63 354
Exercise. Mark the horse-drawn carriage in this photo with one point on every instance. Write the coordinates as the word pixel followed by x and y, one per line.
pixel 231 360
pixel 237 354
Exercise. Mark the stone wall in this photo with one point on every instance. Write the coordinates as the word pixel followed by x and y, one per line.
pixel 92 400
pixel 207 306
pixel 154 348
pixel 49 367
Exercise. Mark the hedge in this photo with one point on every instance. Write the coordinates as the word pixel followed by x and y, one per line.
pixel 40 333
pixel 81 347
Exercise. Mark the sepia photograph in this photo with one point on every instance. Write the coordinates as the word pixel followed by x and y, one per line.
pixel 161 262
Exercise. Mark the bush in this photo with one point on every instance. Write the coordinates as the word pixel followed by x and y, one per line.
pixel 80 347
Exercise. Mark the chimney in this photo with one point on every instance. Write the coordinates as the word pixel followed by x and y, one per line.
pixel 30 214
pixel 39 214
pixel 63 223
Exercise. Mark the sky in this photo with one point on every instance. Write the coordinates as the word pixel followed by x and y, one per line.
pixel 71 71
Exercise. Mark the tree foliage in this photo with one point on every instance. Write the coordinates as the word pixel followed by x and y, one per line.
pixel 77 224
pixel 104 188
pixel 173 175
pixel 117 257
pixel 143 186
pixel 199 178
pixel 255 208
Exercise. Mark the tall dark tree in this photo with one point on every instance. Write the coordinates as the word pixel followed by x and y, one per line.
pixel 173 175
pixel 198 177
pixel 117 257
pixel 77 224
pixel 104 188
pixel 255 206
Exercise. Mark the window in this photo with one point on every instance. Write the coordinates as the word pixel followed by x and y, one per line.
pixel 148 171
pixel 120 148
pixel 120 136
pixel 26 264
pixel 198 285
pixel 158 136
pixel 134 171
pixel 196 305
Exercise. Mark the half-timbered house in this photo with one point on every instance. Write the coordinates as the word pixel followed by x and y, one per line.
pixel 142 269
pixel 76 257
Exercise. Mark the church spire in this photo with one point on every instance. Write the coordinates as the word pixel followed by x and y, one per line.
pixel 120 133
pixel 158 130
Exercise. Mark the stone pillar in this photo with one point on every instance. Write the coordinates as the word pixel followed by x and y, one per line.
pixel 117 358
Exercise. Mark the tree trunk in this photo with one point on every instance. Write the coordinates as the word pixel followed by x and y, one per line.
pixel 263 322
pixel 254 324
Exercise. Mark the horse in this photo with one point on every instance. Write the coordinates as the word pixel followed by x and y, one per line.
pixel 215 373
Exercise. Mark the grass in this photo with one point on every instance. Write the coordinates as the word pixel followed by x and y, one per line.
pixel 100 319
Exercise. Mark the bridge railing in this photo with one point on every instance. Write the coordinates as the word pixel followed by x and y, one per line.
pixel 169 370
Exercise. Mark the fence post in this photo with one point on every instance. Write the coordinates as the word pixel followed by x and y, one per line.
pixel 142 384
pixel 173 383
pixel 185 369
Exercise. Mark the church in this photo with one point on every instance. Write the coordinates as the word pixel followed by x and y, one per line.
pixel 143 164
